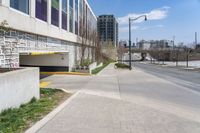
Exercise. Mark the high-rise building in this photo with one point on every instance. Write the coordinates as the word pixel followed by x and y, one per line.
pixel 50 29
pixel 107 27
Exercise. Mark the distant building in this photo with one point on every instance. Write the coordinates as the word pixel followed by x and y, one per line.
pixel 123 43
pixel 107 26
pixel 163 44
pixel 153 44
pixel 145 45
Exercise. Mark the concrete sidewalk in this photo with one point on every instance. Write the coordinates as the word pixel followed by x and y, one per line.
pixel 100 107
pixel 95 114
pixel 105 84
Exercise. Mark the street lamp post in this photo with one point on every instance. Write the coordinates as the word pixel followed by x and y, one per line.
pixel 130 20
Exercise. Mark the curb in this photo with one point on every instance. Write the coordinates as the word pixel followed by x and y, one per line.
pixel 36 127
pixel 65 73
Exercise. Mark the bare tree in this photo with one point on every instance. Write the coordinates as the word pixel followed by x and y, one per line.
pixel 83 39
pixel 121 50
pixel 94 43
pixel 89 42
pixel 4 27
pixel 98 48
pixel 109 50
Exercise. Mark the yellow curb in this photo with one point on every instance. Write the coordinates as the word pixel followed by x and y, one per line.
pixel 65 73
pixel 44 84
pixel 42 53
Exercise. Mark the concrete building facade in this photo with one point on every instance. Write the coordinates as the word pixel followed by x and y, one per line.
pixel 107 29
pixel 44 27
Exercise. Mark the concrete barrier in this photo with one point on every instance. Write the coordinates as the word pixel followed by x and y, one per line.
pixel 18 87
pixel 94 66
pixel 100 65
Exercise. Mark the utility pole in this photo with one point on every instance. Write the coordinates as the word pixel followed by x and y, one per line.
pixel 187 57
pixel 173 46
pixel 136 43
pixel 130 20
pixel 174 37
pixel 130 61
pixel 177 56
pixel 196 39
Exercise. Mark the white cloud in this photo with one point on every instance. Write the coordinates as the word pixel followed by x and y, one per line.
pixel 156 14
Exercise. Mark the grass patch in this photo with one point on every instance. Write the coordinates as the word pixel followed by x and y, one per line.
pixel 17 120
pixel 121 65
pixel 105 64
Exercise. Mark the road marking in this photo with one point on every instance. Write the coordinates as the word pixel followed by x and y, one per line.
pixel 44 84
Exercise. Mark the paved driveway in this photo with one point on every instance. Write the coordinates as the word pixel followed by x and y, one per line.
pixel 71 83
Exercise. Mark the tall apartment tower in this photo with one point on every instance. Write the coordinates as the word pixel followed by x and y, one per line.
pixel 107 27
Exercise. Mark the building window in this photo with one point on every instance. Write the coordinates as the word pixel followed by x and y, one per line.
pixel 71 4
pixel 55 12
pixel 41 10
pixel 64 14
pixel 80 16
pixel 21 5
pixel 76 17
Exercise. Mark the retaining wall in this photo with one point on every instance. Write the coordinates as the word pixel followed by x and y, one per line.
pixel 18 87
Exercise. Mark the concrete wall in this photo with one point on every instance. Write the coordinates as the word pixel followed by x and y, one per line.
pixel 18 87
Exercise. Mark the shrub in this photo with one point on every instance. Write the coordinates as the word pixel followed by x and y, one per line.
pixel 121 65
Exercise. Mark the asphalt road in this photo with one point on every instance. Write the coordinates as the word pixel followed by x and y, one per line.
pixel 185 78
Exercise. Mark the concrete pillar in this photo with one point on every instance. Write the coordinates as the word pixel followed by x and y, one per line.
pixel 32 8
pixel 67 15
pixel 74 16
pixel 49 11
pixel 71 56
pixel 60 14
pixel 78 15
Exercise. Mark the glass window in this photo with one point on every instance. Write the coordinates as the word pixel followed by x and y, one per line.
pixel 55 12
pixel 64 14
pixel 71 3
pixel 41 10
pixel 21 5
pixel 76 17
pixel 80 16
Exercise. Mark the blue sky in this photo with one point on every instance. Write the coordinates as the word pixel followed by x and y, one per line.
pixel 167 18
